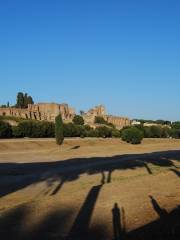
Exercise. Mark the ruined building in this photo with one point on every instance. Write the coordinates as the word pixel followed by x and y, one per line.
pixel 100 111
pixel 41 111
pixel 48 112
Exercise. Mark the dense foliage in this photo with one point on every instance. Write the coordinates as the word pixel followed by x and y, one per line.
pixel 34 129
pixel 23 100
pixel 132 135
pixel 59 133
pixel 5 130
pixel 162 122
pixel 78 120
pixel 101 120
pixel 41 129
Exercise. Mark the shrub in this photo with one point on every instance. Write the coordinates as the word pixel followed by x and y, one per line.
pixel 78 120
pixel 156 132
pixel 176 125
pixel 104 132
pixel 132 135
pixel 92 133
pixel 34 129
pixel 166 132
pixel 59 130
pixel 25 128
pixel 116 133
pixel 5 130
pixel 100 120
pixel 71 130
pixel 47 129
pixel 16 132
pixel 175 133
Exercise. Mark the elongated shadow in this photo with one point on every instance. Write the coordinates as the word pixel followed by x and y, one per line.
pixel 176 172
pixel 16 176
pixel 116 219
pixel 81 224
pixel 160 211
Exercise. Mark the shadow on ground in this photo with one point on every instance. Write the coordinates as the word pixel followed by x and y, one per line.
pixel 166 227
pixel 16 176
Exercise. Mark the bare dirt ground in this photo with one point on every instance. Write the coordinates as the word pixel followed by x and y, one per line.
pixel 90 189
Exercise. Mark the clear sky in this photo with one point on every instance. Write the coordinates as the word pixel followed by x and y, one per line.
pixel 124 54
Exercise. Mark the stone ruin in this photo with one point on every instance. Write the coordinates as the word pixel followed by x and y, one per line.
pixel 100 111
pixel 49 111
pixel 41 111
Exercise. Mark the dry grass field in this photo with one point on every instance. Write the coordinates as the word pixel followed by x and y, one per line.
pixel 89 189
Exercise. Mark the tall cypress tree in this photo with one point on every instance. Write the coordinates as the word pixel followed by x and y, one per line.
pixel 59 134
pixel 30 100
pixel 20 100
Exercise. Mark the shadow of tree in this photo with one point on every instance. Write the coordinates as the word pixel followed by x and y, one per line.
pixel 167 227
pixel 176 172
pixel 53 226
pixel 14 176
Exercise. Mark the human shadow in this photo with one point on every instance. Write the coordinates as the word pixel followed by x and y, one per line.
pixel 54 225
pixel 116 219
pixel 16 176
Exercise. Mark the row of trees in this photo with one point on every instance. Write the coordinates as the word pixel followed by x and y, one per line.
pixel 31 129
pixel 36 129
pixel 162 122
pixel 22 101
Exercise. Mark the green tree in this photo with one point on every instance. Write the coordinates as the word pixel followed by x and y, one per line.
pixel 78 120
pixel 132 135
pixel 176 125
pixel 30 100
pixel 156 131
pixel 100 120
pixel 5 130
pixel 59 134
pixel 23 100
pixel 20 100
pixel 104 132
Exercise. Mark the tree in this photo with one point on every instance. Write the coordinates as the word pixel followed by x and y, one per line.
pixel 78 120
pixel 30 100
pixel 20 100
pixel 156 131
pixel 132 135
pixel 104 132
pixel 5 130
pixel 100 120
pixel 59 134
pixel 23 100
pixel 176 125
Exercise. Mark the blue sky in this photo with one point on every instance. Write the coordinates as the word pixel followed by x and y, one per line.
pixel 124 54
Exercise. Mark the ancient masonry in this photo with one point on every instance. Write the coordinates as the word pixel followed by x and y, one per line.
pixel 48 112
pixel 100 111
pixel 41 111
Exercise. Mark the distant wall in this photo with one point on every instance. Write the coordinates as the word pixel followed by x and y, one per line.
pixel 41 111
pixel 100 110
